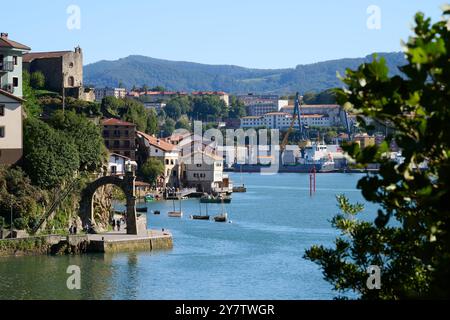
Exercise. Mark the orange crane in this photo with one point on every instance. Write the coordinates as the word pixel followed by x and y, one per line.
pixel 295 116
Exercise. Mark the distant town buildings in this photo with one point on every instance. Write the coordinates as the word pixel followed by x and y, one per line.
pixel 101 93
pixel 116 164
pixel 283 120
pixel 258 105
pixel 11 112
pixel 120 137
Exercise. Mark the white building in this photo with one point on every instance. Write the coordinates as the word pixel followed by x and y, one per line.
pixel 283 120
pixel 258 105
pixel 157 106
pixel 202 171
pixel 116 164
pixel 331 111
pixel 101 93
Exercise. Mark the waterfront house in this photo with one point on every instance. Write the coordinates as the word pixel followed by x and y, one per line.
pixel 120 137
pixel 203 171
pixel 151 146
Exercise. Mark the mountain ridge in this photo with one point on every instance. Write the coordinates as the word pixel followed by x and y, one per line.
pixel 137 70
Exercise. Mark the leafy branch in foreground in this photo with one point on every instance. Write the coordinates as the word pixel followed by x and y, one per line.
pixel 410 239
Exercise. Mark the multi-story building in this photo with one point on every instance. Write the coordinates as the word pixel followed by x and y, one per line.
pixel 283 120
pixel 11 53
pixel 11 113
pixel 101 93
pixel 150 146
pixel 222 95
pixel 202 171
pixel 332 111
pixel 157 106
pixel 120 137
pixel 258 105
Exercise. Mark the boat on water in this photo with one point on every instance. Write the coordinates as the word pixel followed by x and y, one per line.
pixel 157 212
pixel 221 218
pixel 149 198
pixel 174 213
pixel 201 216
pixel 215 199
pixel 144 209
pixel 241 188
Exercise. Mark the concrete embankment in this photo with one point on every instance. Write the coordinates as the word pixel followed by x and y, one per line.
pixel 103 243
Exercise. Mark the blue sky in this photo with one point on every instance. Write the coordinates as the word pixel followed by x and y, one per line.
pixel 251 33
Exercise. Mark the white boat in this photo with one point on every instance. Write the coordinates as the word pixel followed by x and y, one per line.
pixel 316 154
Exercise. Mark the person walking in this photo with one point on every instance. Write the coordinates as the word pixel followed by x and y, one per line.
pixel 114 224
pixel 118 225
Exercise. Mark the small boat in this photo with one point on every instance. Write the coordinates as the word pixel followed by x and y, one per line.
pixel 201 217
pixel 141 209
pixel 213 199
pixel 240 189
pixel 149 198
pixel 175 214
pixel 157 212
pixel 221 218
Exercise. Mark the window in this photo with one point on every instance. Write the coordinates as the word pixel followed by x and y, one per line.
pixel 71 65
pixel 15 82
pixel 171 161
pixel 15 60
pixel 71 81
pixel 116 143
pixel 2 132
pixel 199 165
pixel 167 161
pixel 127 144
pixel 2 110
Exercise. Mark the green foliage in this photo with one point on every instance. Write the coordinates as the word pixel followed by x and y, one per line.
pixel 86 135
pixel 169 127
pixel 325 97
pixel 185 76
pixel 49 156
pixel 31 105
pixel 17 191
pixel 178 106
pixel 208 108
pixel 183 123
pixel 152 169
pixel 37 80
pixel 237 108
pixel 152 122
pixel 410 238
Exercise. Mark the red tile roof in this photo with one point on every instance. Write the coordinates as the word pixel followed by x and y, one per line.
pixel 157 143
pixel 116 122
pixel 7 43
pixel 43 55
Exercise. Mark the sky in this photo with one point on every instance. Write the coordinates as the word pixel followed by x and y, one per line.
pixel 249 33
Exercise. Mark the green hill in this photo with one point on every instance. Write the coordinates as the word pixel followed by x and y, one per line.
pixel 189 76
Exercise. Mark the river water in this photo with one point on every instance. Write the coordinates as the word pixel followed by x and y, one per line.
pixel 257 256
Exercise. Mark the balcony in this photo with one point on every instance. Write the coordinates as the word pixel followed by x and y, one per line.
pixel 6 66
pixel 8 87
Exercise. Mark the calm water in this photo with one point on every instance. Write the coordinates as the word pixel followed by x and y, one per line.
pixel 257 256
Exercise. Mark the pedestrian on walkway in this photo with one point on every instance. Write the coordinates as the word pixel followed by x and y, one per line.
pixel 118 225
pixel 114 224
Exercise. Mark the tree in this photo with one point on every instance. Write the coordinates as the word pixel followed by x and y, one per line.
pixel 31 104
pixel 152 169
pixel 410 237
pixel 37 80
pixel 173 110
pixel 135 112
pixel 85 135
pixel 208 108
pixel 237 108
pixel 152 122
pixel 169 127
pixel 158 89
pixel 50 157
pixel 183 123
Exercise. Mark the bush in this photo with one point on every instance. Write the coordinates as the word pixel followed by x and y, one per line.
pixel 37 80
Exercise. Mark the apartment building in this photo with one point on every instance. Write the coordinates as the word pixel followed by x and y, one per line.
pixel 120 137
pixel 283 120
pixel 101 93
pixel 258 105
pixel 332 111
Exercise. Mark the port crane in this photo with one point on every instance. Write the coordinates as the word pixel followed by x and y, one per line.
pixel 295 116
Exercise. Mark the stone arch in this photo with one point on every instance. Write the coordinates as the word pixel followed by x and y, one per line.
pixel 126 184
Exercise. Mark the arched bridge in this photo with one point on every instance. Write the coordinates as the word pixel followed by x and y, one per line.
pixel 126 184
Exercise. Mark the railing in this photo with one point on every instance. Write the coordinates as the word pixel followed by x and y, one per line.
pixel 7 66
pixel 8 87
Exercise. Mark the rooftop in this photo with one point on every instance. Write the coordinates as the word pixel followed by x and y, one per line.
pixel 43 55
pixel 116 122
pixel 10 95
pixel 5 42
pixel 156 142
